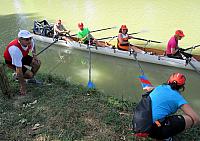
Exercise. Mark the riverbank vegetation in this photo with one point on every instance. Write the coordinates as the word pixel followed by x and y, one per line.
pixel 61 111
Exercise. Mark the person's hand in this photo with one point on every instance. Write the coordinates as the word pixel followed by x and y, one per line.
pixel 181 49
pixel 80 41
pixel 35 60
pixel 148 88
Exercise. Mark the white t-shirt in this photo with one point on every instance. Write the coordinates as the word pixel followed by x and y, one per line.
pixel 17 55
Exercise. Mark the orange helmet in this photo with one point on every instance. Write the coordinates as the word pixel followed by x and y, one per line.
pixel 124 27
pixel 179 33
pixel 177 78
pixel 80 24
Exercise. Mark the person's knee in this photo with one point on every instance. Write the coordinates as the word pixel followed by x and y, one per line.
pixel 188 121
pixel 36 63
pixel 28 74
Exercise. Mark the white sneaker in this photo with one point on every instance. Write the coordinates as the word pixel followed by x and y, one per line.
pixel 168 139
pixel 14 76
pixel 33 81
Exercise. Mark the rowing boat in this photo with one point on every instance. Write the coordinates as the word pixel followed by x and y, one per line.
pixel 155 58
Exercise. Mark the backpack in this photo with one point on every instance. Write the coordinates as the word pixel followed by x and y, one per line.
pixel 142 116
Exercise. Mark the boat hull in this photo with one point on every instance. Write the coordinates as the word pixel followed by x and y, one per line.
pixel 155 59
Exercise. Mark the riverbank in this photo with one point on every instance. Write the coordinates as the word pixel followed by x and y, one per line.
pixel 59 110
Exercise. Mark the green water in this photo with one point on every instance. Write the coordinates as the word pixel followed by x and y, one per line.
pixel 114 76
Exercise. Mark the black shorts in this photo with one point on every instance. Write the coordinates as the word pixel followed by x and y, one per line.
pixel 171 126
pixel 90 42
pixel 25 61
pixel 178 55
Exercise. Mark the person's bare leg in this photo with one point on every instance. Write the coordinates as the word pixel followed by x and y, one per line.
pixel 65 38
pixel 28 74
pixel 35 66
pixel 137 49
pixel 188 121
pixel 101 44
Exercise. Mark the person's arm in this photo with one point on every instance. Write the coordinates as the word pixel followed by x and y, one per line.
pixel 20 77
pixel 16 56
pixel 121 40
pixel 130 37
pixel 56 29
pixel 174 46
pixel 35 59
pixel 33 47
pixel 173 50
pixel 64 30
pixel 191 117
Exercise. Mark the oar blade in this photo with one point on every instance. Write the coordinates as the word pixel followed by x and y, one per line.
pixel 91 85
pixel 145 82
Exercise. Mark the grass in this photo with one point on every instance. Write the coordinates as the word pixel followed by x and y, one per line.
pixel 61 111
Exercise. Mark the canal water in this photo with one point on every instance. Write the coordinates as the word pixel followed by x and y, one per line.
pixel 112 75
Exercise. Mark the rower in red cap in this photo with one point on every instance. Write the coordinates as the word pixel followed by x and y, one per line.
pixel 173 50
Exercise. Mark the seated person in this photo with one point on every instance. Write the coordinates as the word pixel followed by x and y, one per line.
pixel 86 38
pixel 123 43
pixel 60 31
pixel 173 50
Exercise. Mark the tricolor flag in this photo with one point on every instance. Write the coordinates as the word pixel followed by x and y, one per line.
pixel 145 82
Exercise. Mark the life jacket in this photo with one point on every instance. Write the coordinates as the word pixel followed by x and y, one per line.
pixel 16 43
pixel 123 46
pixel 142 116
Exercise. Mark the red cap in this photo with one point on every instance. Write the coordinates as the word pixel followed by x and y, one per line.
pixel 177 78
pixel 124 27
pixel 80 24
pixel 179 33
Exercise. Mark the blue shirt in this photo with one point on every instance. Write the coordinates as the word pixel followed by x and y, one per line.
pixel 165 101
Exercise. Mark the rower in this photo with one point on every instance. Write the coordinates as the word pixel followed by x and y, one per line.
pixel 60 31
pixel 86 37
pixel 173 50
pixel 123 43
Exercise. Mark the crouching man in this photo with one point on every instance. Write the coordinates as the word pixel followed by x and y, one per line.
pixel 17 57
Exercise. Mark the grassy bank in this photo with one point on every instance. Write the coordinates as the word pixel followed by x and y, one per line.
pixel 60 111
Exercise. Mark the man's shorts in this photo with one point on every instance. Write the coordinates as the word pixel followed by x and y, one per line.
pixel 171 126
pixel 25 61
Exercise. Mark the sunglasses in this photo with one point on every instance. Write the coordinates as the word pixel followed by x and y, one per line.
pixel 27 39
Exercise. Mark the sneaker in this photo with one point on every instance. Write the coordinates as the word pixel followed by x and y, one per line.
pixel 14 76
pixel 33 81
pixel 168 139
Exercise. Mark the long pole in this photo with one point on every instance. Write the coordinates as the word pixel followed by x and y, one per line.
pixel 47 47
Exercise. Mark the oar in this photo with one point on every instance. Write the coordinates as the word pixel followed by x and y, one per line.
pixel 99 30
pixel 47 47
pixel 193 47
pixel 103 29
pixel 142 31
pixel 146 40
pixel 90 84
pixel 192 65
pixel 143 79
